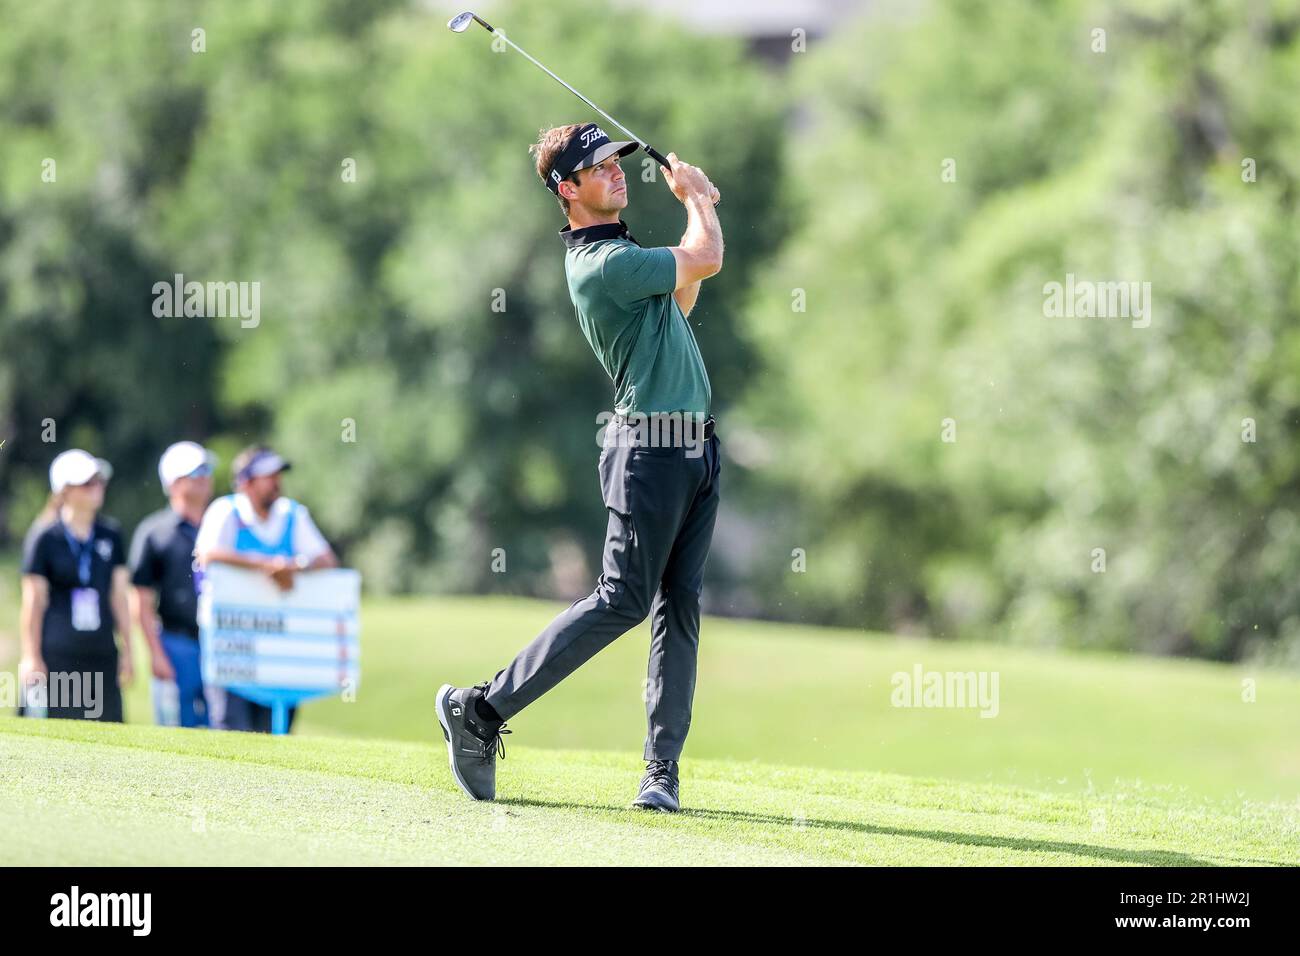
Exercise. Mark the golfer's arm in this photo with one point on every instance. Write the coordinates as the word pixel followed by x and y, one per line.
pixel 686 296
pixel 699 255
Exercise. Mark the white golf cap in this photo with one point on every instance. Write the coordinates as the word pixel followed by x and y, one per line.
pixel 76 467
pixel 182 460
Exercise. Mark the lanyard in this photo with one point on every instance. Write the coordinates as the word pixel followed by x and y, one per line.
pixel 82 551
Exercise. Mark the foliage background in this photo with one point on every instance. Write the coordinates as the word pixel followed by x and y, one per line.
pixel 924 299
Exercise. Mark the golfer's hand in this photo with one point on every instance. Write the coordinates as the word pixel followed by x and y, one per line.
pixel 686 181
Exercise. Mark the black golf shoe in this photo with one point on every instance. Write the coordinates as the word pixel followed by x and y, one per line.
pixel 659 787
pixel 473 744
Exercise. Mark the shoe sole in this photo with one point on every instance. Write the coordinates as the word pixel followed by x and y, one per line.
pixel 658 808
pixel 444 721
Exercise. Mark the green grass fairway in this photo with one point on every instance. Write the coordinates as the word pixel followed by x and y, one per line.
pixel 1066 720
pixel 820 697
pixel 75 793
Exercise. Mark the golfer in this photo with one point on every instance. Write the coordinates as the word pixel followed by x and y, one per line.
pixel 163 601
pixel 74 583
pixel 260 529
pixel 662 497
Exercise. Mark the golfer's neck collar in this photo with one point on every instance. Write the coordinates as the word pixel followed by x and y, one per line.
pixel 573 238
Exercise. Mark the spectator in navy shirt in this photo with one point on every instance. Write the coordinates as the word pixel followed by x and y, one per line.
pixel 163 600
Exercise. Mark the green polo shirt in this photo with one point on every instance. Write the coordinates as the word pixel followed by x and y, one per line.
pixel 623 296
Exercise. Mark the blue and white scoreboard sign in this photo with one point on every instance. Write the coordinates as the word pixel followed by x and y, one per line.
pixel 280 648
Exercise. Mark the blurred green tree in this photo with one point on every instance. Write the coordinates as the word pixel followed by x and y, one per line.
pixel 966 158
pixel 370 171
pixel 97 115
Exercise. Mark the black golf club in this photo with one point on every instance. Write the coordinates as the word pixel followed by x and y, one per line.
pixel 460 23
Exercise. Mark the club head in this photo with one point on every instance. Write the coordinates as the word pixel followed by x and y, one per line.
pixel 460 23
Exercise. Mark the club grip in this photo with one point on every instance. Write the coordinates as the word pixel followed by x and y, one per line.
pixel 658 157
pixel 662 160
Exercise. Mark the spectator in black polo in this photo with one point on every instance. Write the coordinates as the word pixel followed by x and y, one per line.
pixel 74 584
pixel 163 601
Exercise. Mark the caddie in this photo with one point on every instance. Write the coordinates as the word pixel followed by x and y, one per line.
pixel 260 529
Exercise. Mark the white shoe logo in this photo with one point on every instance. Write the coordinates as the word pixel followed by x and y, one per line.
pixel 455 711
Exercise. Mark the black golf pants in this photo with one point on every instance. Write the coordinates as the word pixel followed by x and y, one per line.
pixel 662 503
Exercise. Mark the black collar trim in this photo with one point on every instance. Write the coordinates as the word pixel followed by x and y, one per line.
pixel 575 238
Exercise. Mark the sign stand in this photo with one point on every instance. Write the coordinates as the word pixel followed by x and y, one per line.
pixel 279 718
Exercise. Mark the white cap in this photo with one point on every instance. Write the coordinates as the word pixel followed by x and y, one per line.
pixel 76 467
pixel 181 460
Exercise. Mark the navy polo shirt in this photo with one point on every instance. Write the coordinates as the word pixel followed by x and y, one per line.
pixel 162 558
pixel 47 553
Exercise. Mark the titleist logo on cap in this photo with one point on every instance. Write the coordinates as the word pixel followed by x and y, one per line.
pixel 593 135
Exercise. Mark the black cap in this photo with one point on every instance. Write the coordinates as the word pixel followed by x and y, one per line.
pixel 262 462
pixel 588 146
